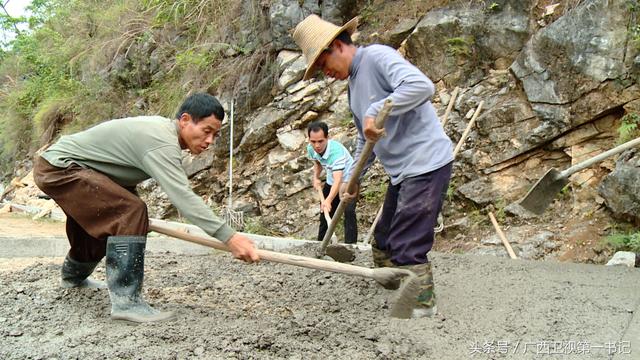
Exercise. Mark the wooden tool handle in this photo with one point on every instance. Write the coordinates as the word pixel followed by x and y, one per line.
pixel 466 131
pixel 368 146
pixel 369 238
pixel 327 217
pixel 450 106
pixel 585 164
pixel 277 257
pixel 505 242
pixel 355 174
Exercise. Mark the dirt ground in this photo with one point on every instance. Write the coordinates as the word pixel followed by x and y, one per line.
pixel 489 308
pixel 580 235
pixel 16 225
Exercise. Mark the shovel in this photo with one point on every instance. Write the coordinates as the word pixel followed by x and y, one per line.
pixel 339 252
pixel 389 278
pixel 543 192
pixel 327 217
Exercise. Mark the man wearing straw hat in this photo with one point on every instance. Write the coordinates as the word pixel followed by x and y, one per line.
pixel 92 176
pixel 416 153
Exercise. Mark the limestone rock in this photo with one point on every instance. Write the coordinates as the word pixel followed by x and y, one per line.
pixel 194 164
pixel 291 140
pixel 621 188
pixel 625 258
pixel 451 44
pixel 568 75
pixel 284 15
pixel 263 127
pixel 292 73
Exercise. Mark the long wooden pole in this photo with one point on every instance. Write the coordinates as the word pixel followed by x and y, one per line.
pixel 505 242
pixel 469 126
pixel 368 238
pixel 327 217
pixel 445 118
pixel 282 258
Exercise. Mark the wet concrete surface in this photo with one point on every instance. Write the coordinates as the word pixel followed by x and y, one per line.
pixel 489 308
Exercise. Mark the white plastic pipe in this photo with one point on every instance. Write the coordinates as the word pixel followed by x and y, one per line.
pixel 231 156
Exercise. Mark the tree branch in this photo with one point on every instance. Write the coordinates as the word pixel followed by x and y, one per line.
pixel 15 26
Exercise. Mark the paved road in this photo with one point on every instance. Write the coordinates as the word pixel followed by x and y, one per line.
pixel 489 308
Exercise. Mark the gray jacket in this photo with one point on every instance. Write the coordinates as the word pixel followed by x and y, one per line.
pixel 415 142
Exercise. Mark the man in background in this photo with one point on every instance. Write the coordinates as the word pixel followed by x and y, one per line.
pixel 336 160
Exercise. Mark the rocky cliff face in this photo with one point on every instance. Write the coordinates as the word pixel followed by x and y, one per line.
pixel 555 81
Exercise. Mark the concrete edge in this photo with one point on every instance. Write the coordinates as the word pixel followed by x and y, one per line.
pixel 630 338
pixel 262 241
pixel 57 246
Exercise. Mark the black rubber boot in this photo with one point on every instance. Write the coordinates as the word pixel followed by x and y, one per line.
pixel 125 272
pixel 76 274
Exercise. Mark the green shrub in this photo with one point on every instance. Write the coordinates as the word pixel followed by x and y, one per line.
pixel 477 217
pixel 500 213
pixel 624 242
pixel 451 189
pixel 254 225
pixel 634 27
pixel 459 46
pixel 87 61
pixel 628 129
pixel 368 13
pixel 375 193
pixel 493 7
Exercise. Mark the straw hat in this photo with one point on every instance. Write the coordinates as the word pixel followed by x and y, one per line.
pixel 314 35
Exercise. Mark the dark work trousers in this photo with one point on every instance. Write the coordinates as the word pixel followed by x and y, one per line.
pixel 409 214
pixel 96 207
pixel 350 221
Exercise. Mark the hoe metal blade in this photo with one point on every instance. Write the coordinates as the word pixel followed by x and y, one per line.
pixel 544 191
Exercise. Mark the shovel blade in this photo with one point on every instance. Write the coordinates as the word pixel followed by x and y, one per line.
pixel 341 253
pixel 543 192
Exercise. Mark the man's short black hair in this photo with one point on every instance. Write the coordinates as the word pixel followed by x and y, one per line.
pixel 317 126
pixel 200 106
pixel 345 37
